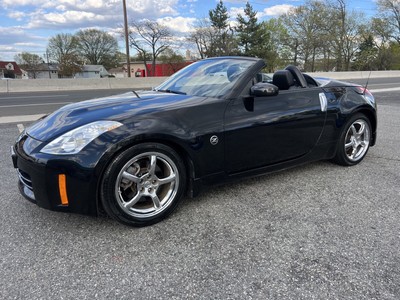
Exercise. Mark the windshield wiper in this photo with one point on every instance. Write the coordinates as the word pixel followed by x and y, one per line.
pixel 172 92
pixel 136 94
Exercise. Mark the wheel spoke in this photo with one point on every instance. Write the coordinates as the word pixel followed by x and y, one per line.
pixel 130 177
pixel 166 180
pixel 353 130
pixel 353 153
pixel 153 163
pixel 362 129
pixel 133 201
pixel 348 145
pixel 156 201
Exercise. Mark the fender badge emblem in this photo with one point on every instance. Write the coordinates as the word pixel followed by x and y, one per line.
pixel 214 140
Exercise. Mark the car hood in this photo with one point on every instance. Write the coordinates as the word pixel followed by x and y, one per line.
pixel 117 108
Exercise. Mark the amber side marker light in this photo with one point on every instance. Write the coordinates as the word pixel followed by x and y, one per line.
pixel 62 187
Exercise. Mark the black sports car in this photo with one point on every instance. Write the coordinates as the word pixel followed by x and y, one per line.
pixel 135 155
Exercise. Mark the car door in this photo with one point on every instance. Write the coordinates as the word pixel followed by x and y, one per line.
pixel 261 131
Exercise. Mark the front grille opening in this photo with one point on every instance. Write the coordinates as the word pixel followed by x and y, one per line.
pixel 25 184
pixel 25 179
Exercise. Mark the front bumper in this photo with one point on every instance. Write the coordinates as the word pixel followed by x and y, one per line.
pixel 24 183
pixel 39 181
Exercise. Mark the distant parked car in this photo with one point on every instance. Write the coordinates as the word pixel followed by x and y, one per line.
pixel 135 155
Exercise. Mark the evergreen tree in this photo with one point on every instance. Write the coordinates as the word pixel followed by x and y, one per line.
pixel 219 17
pixel 250 35
pixel 223 42
pixel 367 54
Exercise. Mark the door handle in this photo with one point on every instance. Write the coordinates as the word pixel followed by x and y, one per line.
pixel 323 101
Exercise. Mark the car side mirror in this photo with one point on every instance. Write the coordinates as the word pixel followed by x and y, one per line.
pixel 264 89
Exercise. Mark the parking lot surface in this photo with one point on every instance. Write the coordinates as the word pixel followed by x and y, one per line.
pixel 318 231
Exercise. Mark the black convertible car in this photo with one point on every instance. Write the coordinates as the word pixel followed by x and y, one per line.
pixel 135 155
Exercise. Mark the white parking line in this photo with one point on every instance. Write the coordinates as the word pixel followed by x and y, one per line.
pixel 385 90
pixel 379 84
pixel 20 127
pixel 28 97
pixel 15 119
pixel 35 104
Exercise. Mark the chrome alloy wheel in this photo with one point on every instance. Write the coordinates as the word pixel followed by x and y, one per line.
pixel 147 184
pixel 357 140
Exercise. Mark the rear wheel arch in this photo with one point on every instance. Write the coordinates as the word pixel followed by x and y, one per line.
pixel 372 119
pixel 354 140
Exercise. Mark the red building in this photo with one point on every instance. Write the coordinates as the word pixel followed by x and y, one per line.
pixel 10 69
pixel 163 69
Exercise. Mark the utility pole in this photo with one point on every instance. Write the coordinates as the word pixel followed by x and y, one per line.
pixel 48 64
pixel 128 60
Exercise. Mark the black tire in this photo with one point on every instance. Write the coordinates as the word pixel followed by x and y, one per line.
pixel 143 184
pixel 354 141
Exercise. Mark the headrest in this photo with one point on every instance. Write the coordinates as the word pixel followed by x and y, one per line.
pixel 283 79
pixel 233 72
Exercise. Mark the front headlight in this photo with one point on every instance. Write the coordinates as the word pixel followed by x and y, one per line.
pixel 75 140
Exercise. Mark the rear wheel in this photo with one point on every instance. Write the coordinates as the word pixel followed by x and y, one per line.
pixel 354 141
pixel 143 184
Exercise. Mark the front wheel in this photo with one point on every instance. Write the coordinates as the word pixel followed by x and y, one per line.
pixel 143 184
pixel 354 141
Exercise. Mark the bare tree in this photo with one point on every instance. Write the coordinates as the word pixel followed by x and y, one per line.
pixel 390 10
pixel 30 62
pixel 149 37
pixel 174 60
pixel 305 28
pixel 69 65
pixel 96 46
pixel 60 45
pixel 381 34
pixel 202 36
pixel 344 29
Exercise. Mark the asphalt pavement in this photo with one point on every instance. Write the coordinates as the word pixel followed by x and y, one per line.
pixel 318 231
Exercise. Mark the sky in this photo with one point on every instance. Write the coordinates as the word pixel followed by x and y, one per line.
pixel 26 25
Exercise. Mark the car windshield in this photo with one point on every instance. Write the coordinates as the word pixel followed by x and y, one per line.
pixel 207 78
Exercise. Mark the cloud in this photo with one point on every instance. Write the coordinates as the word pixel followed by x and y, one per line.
pixel 32 45
pixel 74 14
pixel 67 19
pixel 12 35
pixel 17 15
pixel 243 1
pixel 178 24
pixel 19 3
pixel 276 10
pixel 16 39
pixel 234 11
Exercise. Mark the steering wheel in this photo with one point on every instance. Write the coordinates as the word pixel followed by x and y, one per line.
pixel 297 75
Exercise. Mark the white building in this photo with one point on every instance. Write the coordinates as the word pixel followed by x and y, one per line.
pixel 92 71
